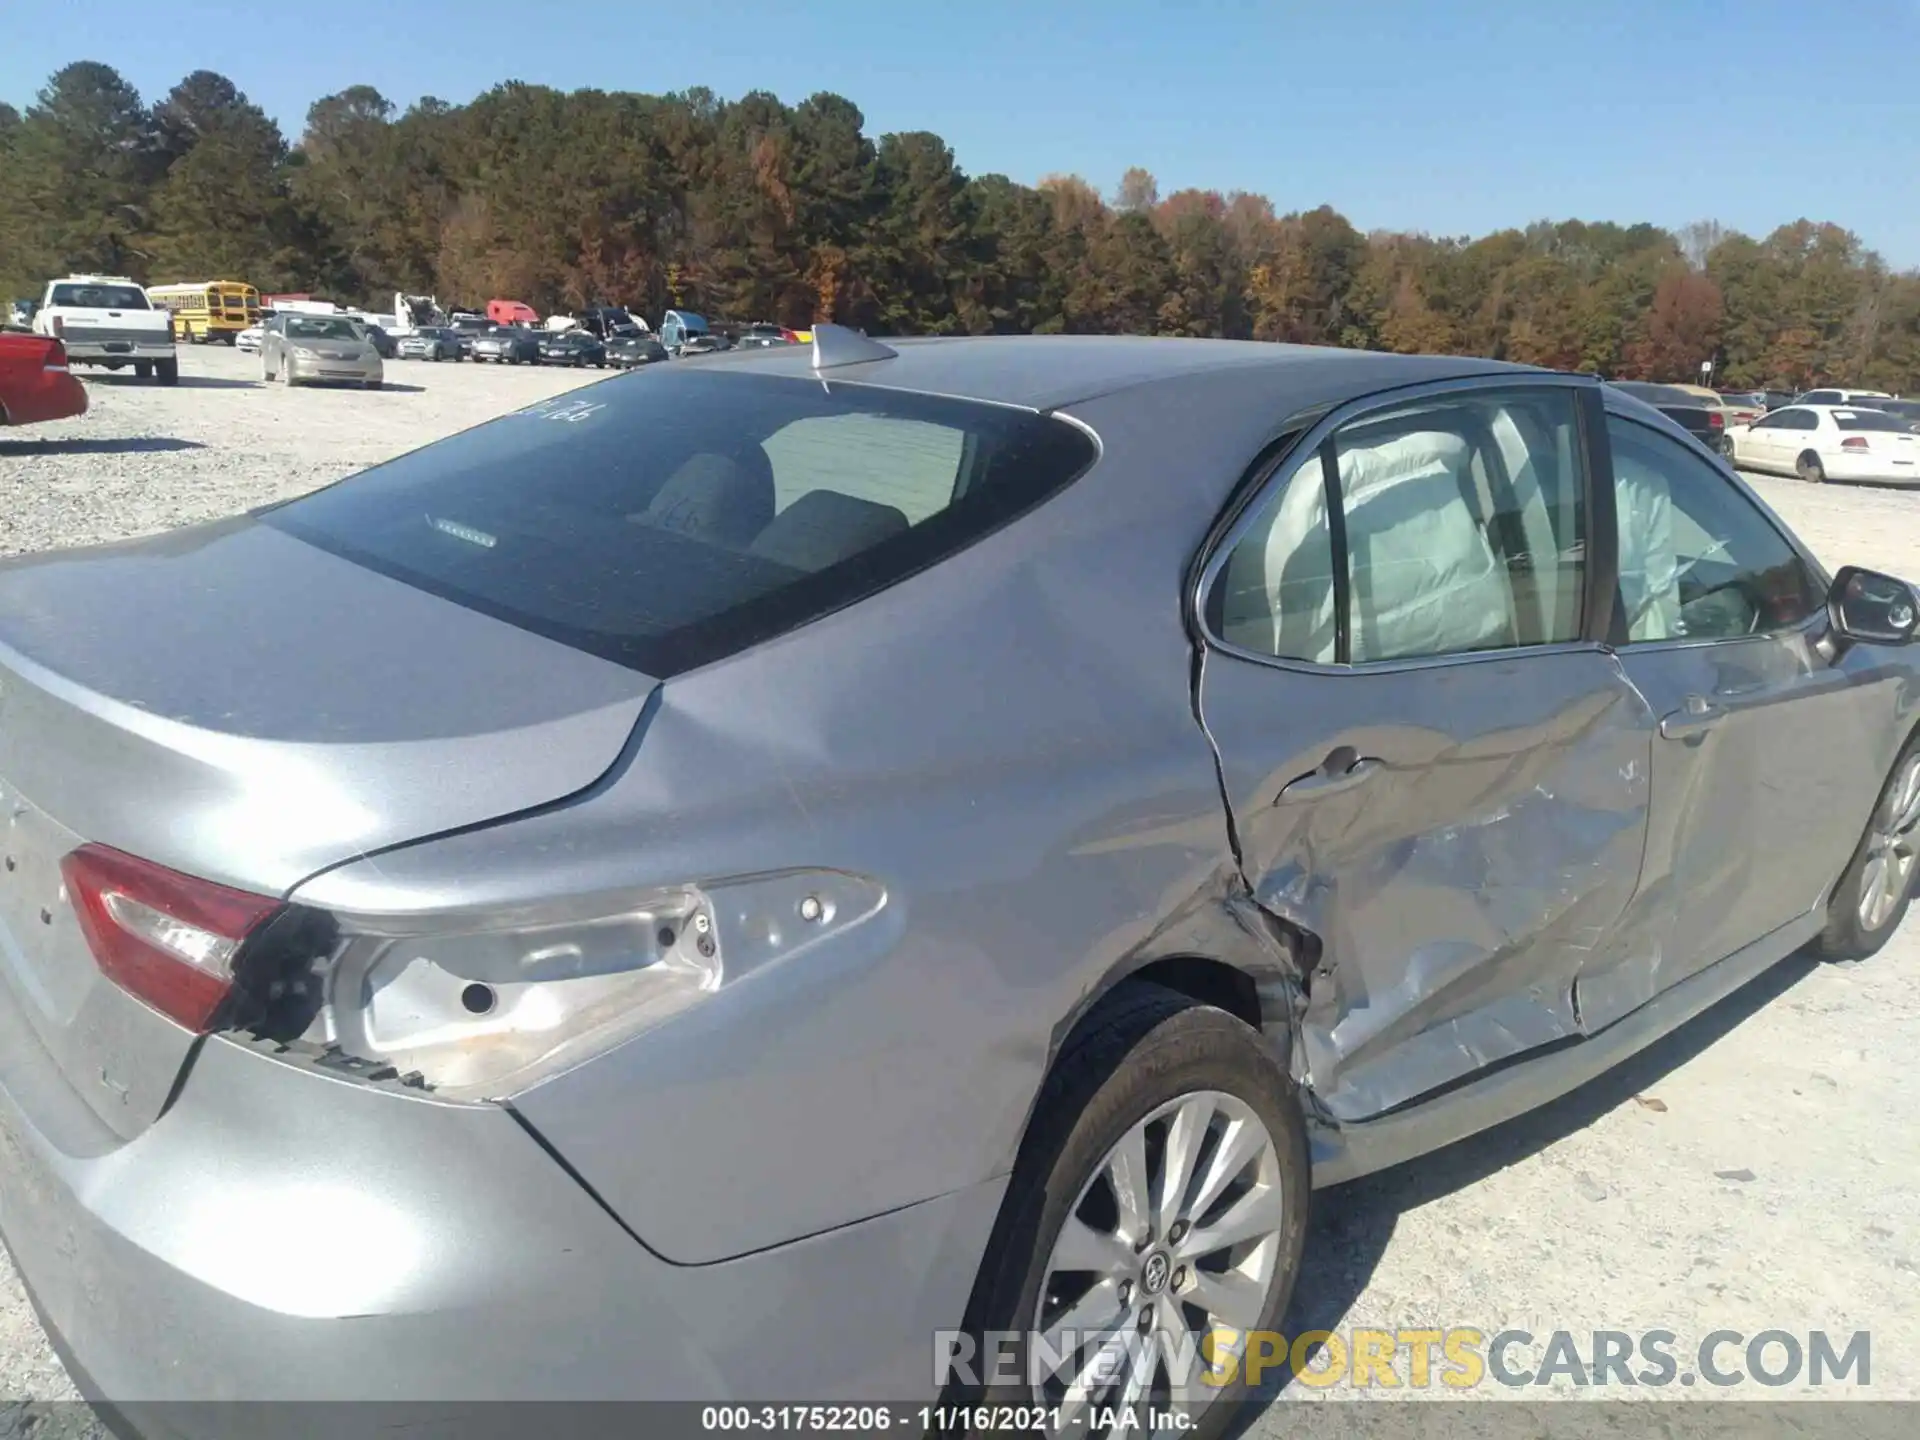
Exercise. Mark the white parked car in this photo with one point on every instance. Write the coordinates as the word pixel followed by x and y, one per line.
pixel 1841 397
pixel 249 338
pixel 1829 442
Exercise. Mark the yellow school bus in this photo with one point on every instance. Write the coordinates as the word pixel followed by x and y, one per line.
pixel 208 309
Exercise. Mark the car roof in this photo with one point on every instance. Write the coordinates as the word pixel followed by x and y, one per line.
pixel 1044 372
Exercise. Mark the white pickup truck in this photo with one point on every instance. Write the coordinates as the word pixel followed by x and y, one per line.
pixel 108 320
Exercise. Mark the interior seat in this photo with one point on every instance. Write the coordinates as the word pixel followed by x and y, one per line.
pixel 824 527
pixel 724 499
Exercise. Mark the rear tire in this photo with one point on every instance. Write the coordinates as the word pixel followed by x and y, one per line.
pixel 143 369
pixel 1146 1064
pixel 1876 889
pixel 1809 469
pixel 168 370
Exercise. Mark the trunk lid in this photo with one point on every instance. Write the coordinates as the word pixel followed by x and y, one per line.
pixel 235 704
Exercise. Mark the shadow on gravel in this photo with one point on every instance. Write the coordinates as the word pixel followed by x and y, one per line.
pixel 1353 1224
pixel 97 445
pixel 185 382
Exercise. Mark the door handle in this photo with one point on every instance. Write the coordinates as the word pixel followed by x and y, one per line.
pixel 1343 769
pixel 1694 718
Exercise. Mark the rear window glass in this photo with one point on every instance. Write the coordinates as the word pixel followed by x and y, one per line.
pixel 101 297
pixel 668 518
pixel 1866 420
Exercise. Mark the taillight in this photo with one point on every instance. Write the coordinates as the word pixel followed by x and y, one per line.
pixel 1855 442
pixel 56 360
pixel 59 325
pixel 165 938
pixel 1716 421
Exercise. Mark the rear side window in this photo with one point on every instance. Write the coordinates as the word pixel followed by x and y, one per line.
pixel 1866 420
pixel 666 519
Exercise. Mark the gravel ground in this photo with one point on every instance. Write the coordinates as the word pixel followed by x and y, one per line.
pixel 1756 1170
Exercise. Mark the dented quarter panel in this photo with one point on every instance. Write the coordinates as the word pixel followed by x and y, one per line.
pixel 1459 893
pixel 1007 743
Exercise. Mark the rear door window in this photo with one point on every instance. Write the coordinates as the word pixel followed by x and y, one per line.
pixel 1442 527
pixel 669 518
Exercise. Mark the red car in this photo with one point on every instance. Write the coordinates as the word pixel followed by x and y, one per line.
pixel 35 383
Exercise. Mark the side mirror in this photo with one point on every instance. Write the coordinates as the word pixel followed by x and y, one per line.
pixel 1877 609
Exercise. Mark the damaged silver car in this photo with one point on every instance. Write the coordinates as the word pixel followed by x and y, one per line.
pixel 882 841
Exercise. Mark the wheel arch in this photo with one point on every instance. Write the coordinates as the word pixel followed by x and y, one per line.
pixel 1230 954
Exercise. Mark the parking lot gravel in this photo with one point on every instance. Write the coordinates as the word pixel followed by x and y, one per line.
pixel 1756 1170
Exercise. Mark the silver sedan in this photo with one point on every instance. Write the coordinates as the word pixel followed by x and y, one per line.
pixel 840 874
pixel 303 349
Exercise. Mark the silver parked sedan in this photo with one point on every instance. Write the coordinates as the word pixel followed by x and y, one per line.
pixel 301 349
pixel 878 843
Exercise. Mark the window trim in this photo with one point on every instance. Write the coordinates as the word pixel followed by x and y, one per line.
pixel 1815 619
pixel 1316 443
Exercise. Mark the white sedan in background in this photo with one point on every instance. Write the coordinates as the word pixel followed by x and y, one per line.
pixel 1829 442
pixel 249 338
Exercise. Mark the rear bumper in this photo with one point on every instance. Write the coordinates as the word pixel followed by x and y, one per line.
pixel 55 396
pixel 283 1234
pixel 1869 471
pixel 118 352
pixel 322 370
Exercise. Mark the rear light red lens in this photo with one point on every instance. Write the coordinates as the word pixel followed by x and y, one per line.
pixel 165 938
pixel 56 356
pixel 59 325
pixel 1715 420
pixel 1855 442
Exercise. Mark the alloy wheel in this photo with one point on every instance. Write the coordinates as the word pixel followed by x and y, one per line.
pixel 1177 1235
pixel 1893 848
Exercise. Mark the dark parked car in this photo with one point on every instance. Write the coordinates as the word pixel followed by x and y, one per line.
pixel 731 836
pixel 572 347
pixel 1907 411
pixel 508 344
pixel 628 351
pixel 1704 422
pixel 604 321
pixel 383 343
pixel 765 337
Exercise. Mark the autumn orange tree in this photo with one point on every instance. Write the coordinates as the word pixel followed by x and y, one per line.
pixel 754 209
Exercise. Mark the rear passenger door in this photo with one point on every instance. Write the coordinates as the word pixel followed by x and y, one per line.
pixel 1433 764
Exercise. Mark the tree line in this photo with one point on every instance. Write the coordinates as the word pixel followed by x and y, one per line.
pixel 753 209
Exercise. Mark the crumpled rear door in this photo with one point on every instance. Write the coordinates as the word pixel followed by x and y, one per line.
pixel 1464 857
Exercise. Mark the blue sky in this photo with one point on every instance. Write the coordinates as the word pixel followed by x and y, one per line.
pixel 1450 116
